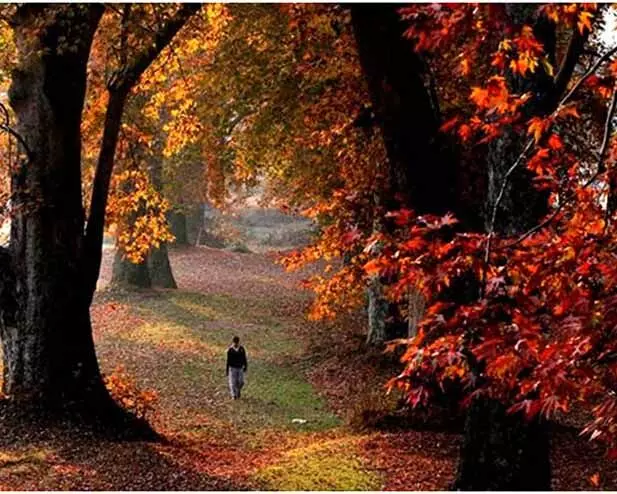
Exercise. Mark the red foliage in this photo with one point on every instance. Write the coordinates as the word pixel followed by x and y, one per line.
pixel 528 319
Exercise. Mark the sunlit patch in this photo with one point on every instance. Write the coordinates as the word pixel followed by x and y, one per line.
pixel 198 309
pixel 172 337
pixel 330 465
pixel 23 462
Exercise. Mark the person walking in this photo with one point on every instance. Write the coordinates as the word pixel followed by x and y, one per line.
pixel 236 367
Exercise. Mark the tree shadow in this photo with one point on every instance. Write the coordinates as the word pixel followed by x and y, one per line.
pixel 62 458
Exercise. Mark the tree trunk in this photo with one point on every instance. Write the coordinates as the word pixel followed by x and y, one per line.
pixel 45 327
pixel 126 274
pixel 178 226
pixel 159 267
pixel 377 312
pixel 405 110
pixel 408 118
pixel 502 451
pixel 93 241
pixel 415 310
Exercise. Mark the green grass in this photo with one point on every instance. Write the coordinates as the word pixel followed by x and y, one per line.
pixel 182 343
pixel 194 330
pixel 328 466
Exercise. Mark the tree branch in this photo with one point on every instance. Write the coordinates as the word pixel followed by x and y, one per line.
pixel 573 53
pixel 530 145
pixel 600 168
pixel 129 75
pixel 126 15
pixel 119 86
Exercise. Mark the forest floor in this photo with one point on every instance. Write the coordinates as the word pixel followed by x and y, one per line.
pixel 174 342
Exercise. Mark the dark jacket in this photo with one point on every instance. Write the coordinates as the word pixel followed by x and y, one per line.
pixel 236 358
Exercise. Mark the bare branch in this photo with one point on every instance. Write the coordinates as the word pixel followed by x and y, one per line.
pixel 587 74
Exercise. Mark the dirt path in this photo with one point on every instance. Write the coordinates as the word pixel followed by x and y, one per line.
pixel 176 345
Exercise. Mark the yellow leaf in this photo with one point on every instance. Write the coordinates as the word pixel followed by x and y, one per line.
pixel 584 21
pixel 547 66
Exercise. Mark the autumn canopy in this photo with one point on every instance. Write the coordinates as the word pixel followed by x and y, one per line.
pixel 458 164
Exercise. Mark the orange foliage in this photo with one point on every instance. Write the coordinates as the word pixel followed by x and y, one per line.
pixel 137 213
pixel 125 392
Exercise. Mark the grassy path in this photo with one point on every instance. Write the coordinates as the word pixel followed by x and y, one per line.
pixel 174 342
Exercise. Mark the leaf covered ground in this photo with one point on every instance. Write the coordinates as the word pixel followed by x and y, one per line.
pixel 173 343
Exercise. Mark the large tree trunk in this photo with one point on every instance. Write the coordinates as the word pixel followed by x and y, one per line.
pixel 502 451
pixel 406 113
pixel 49 355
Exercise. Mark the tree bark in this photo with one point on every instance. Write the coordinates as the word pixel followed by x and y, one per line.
pixel 377 311
pixel 178 226
pixel 49 355
pixel 408 118
pixel 503 451
pixel 93 241
pixel 159 266
pixel 405 111
pixel 126 274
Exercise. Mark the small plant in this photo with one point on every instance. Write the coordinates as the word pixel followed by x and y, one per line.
pixel 125 391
